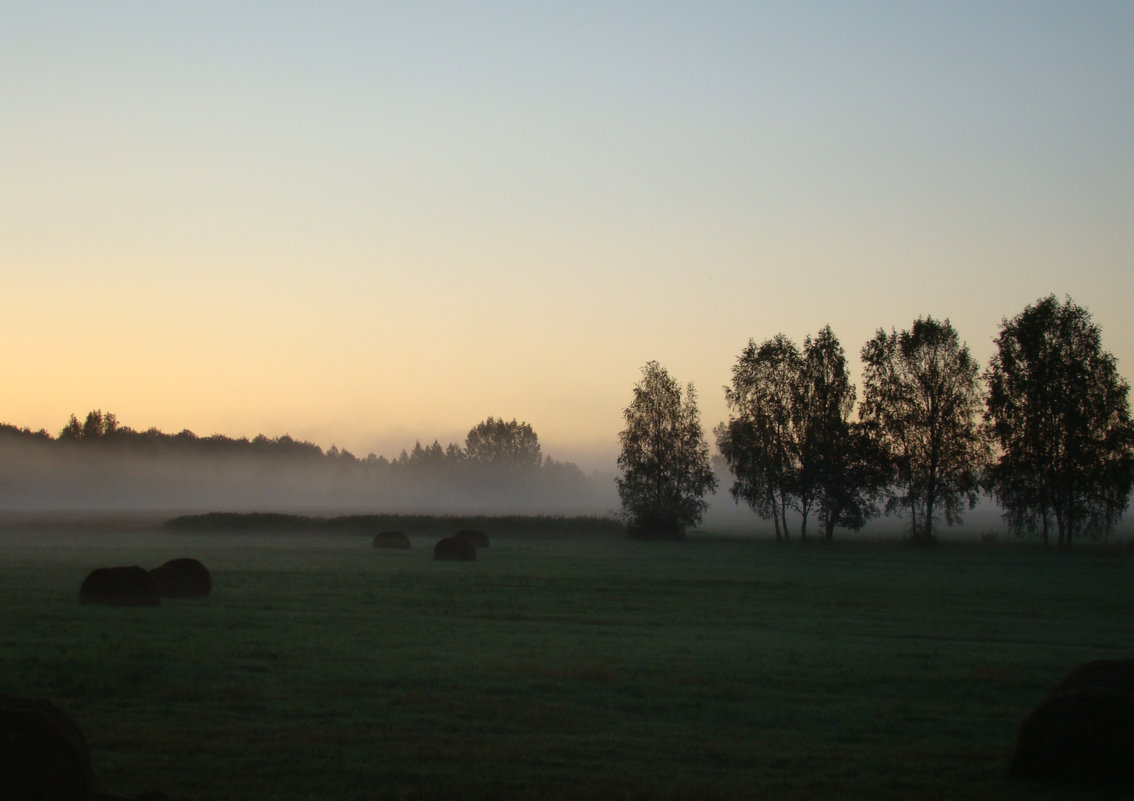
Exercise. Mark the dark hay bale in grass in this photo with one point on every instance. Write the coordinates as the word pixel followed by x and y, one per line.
pixel 1112 674
pixel 1084 736
pixel 183 578
pixel 391 539
pixel 120 586
pixel 452 549
pixel 477 539
pixel 43 755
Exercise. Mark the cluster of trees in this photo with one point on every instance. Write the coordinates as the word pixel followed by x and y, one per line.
pixel 493 446
pixel 1045 429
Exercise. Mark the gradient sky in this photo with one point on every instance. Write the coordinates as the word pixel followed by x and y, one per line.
pixel 364 224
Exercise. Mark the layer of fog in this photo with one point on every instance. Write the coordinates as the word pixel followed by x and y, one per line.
pixel 43 476
pixel 40 478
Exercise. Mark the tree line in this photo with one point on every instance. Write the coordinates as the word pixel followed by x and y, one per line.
pixel 1044 429
pixel 492 444
pixel 97 462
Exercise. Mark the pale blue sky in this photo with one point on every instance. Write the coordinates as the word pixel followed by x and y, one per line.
pixel 368 223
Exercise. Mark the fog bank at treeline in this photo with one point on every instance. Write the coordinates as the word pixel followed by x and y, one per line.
pixel 99 466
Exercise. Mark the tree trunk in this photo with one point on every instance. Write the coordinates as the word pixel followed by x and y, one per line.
pixel 1063 539
pixel 913 515
pixel 929 501
pixel 775 514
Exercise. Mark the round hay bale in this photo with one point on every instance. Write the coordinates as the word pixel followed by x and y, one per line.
pixel 42 753
pixel 182 578
pixel 452 549
pixel 391 539
pixel 120 586
pixel 478 539
pixel 1113 674
pixel 1084 736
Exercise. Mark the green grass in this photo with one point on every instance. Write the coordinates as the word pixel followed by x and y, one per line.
pixel 600 668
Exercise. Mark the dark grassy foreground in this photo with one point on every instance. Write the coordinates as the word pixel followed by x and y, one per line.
pixel 607 669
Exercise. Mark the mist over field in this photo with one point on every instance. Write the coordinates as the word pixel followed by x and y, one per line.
pixel 34 476
pixel 39 482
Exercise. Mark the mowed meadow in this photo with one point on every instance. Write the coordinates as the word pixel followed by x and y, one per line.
pixel 559 667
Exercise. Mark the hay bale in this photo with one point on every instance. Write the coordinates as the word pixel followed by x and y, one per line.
pixel 183 578
pixel 1085 736
pixel 391 539
pixel 452 549
pixel 120 586
pixel 43 754
pixel 1112 674
pixel 477 539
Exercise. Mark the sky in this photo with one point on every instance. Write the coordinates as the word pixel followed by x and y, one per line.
pixel 365 224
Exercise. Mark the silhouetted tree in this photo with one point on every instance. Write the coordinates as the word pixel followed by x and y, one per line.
pixel 1059 415
pixel 92 427
pixel 921 397
pixel 759 441
pixel 73 430
pixel 664 459
pixel 99 425
pixel 499 444
pixel 838 470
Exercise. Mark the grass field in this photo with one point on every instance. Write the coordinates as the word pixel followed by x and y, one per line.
pixel 559 668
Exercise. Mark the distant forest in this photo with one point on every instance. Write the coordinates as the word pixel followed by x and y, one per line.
pixel 97 464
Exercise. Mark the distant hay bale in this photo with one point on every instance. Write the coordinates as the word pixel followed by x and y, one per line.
pixel 1083 733
pixel 120 586
pixel 478 539
pixel 183 578
pixel 452 549
pixel 42 753
pixel 391 539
